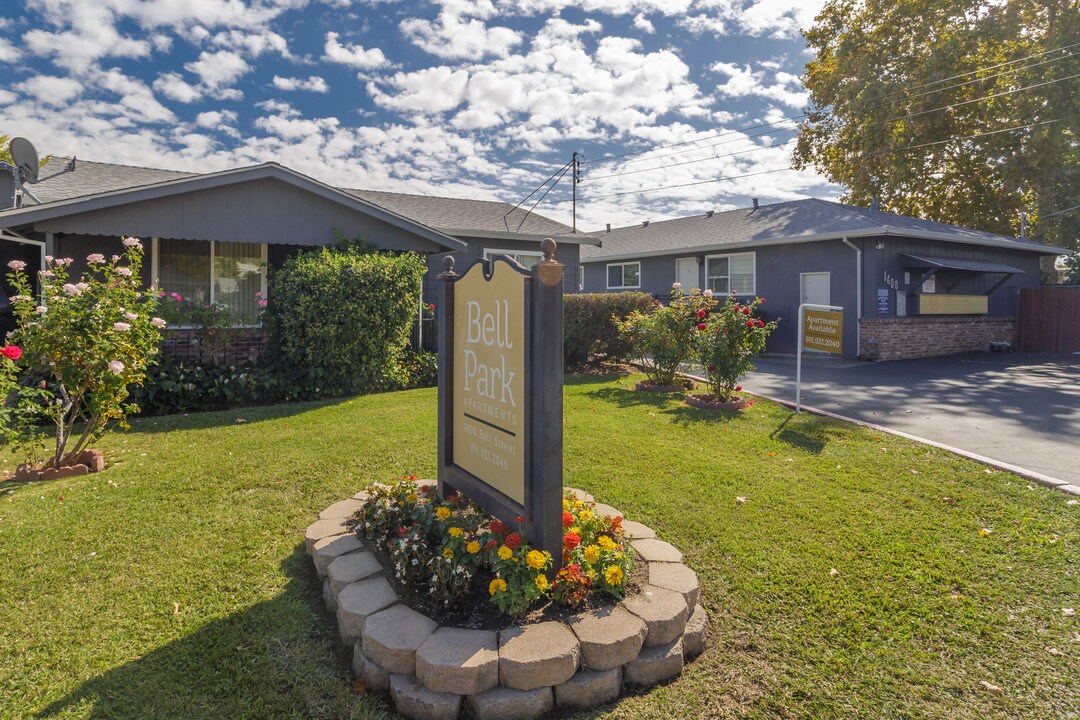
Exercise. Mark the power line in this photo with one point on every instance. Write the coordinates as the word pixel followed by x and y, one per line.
pixel 706 147
pixel 699 182
pixel 523 200
pixel 541 198
pixel 688 162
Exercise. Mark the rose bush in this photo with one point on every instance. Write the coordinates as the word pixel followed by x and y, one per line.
pixel 89 339
pixel 664 337
pixel 729 338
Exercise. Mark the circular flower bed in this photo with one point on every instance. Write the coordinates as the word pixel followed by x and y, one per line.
pixel 572 641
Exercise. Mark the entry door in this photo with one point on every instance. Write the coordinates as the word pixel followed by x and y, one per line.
pixel 815 288
pixel 686 272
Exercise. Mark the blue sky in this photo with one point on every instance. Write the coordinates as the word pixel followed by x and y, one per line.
pixel 467 98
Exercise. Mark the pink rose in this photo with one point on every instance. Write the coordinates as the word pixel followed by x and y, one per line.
pixel 126 272
pixel 14 352
pixel 121 327
pixel 157 322
pixel 95 258
pixel 116 367
pixel 16 265
pixel 132 242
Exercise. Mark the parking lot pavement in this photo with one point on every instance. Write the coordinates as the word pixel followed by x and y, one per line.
pixel 1015 408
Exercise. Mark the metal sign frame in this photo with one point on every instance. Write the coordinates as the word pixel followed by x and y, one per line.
pixel 543 382
pixel 799 351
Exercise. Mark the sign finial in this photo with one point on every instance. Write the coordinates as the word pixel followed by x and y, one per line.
pixel 548 246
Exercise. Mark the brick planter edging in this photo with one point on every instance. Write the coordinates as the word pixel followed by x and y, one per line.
pixel 520 672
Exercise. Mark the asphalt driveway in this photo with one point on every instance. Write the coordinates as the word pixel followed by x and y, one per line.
pixel 1016 408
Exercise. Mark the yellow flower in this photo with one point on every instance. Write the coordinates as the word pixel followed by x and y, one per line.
pixel 578 504
pixel 496 585
pixel 592 554
pixel 565 504
pixel 606 542
pixel 541 582
pixel 613 574
pixel 585 515
pixel 411 497
pixel 442 513
pixel 505 553
pixel 576 530
pixel 448 553
pixel 455 532
pixel 535 559
pixel 473 547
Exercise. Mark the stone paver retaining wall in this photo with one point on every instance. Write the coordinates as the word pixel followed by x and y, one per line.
pixel 518 673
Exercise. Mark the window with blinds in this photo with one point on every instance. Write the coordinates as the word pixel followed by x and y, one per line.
pixel 214 272
pixel 725 273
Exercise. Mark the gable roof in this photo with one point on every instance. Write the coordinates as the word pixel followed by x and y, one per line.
pixel 449 216
pixel 781 223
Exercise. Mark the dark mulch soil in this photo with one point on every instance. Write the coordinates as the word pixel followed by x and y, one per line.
pixel 477 612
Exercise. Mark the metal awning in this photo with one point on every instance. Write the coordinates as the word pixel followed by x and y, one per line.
pixel 921 261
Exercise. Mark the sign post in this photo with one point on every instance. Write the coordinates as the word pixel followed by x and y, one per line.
pixel 821 327
pixel 500 392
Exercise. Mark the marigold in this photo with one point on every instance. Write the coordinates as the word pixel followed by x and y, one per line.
pixel 535 559
pixel 592 554
pixel 567 519
pixel 613 574
pixel 542 582
pixel 565 504
pixel 571 540
pixel 448 553
pixel 585 515
pixel 606 542
pixel 505 553
pixel 496 585
pixel 473 547
pixel 455 532
pixel 442 513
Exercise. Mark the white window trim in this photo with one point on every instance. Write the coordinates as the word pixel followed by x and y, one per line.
pixel 623 287
pixel 753 275
pixel 490 253
pixel 154 273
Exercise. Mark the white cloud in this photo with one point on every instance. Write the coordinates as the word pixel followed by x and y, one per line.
pixel 7 97
pixel 452 37
pixel 643 24
pixel 173 86
pixel 8 52
pixel 215 118
pixel 253 43
pixel 51 90
pixel 218 69
pixel 136 99
pixel 784 88
pixel 312 84
pixel 352 55
pixel 431 90
pixel 772 18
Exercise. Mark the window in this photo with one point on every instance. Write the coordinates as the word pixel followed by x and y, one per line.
pixel 213 272
pixel 724 273
pixel 621 276
pixel 524 258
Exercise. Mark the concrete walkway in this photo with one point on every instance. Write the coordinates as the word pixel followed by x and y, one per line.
pixel 1019 409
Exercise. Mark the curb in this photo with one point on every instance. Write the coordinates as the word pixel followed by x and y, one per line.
pixel 1045 480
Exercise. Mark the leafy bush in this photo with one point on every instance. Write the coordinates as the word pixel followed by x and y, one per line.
pixel 731 338
pixel 342 318
pixel 174 386
pixel 419 369
pixel 90 339
pixel 588 327
pixel 664 338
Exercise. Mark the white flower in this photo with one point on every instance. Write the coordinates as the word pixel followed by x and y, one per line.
pixel 46 273
pixel 16 264
pixel 116 367
pixel 676 286
pixel 121 327
pixel 21 298
pixel 64 261
pixel 95 258
pixel 83 287
pixel 706 293
pixel 48 258
pixel 126 272
pixel 72 289
pixel 157 322
pixel 131 316
pixel 41 309
pixel 114 258
pixel 132 242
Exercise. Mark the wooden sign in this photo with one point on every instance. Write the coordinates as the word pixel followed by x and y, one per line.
pixel 500 392
pixel 823 330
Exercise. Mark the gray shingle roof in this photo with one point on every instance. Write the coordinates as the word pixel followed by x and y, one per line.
pixel 442 213
pixel 798 220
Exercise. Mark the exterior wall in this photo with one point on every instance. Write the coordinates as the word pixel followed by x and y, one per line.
pixel 566 253
pixel 922 337
pixel 1048 319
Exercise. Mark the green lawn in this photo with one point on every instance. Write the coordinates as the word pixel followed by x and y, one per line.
pixel 175 584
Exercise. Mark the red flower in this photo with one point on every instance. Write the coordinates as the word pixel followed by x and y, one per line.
pixel 512 541
pixel 738 388
pixel 431 307
pixel 567 519
pixel 498 527
pixel 736 306
pixel 701 313
pixel 761 301
pixel 412 477
pixel 749 323
pixel 711 368
pixel 701 326
pixel 759 323
pixel 13 352
pixel 520 519
pixel 425 488
pixel 616 521
pixel 490 544
pixel 746 311
pixel 571 540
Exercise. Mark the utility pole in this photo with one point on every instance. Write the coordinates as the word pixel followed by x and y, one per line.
pixel 575 169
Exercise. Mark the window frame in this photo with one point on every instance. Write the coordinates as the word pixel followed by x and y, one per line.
pixel 624 286
pixel 753 272
pixel 490 253
pixel 155 245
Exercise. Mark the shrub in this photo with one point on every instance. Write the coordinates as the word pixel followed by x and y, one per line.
pixel 664 338
pixel 212 324
pixel 732 336
pixel 174 385
pixel 419 369
pixel 588 326
pixel 342 318
pixel 89 339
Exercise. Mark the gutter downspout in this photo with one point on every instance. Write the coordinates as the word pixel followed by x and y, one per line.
pixel 858 297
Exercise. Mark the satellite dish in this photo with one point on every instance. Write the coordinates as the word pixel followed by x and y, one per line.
pixel 26 158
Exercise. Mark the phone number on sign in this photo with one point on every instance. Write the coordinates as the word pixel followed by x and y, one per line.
pixel 494 458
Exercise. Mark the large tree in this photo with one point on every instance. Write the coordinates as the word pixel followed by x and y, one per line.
pixel 962 111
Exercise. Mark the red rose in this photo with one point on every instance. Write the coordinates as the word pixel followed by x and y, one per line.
pixel 571 540
pixel 759 323
pixel 736 306
pixel 701 326
pixel 13 352
pixel 431 307
pixel 738 388
pixel 711 368
pixel 749 323
pixel 701 313
pixel 761 301
pixel 746 311
pixel 512 541
pixel 520 519
pixel 567 519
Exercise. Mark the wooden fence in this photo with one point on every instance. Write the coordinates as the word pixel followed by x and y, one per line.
pixel 1048 319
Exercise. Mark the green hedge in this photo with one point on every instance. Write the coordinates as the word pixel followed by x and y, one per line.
pixel 342 318
pixel 587 326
